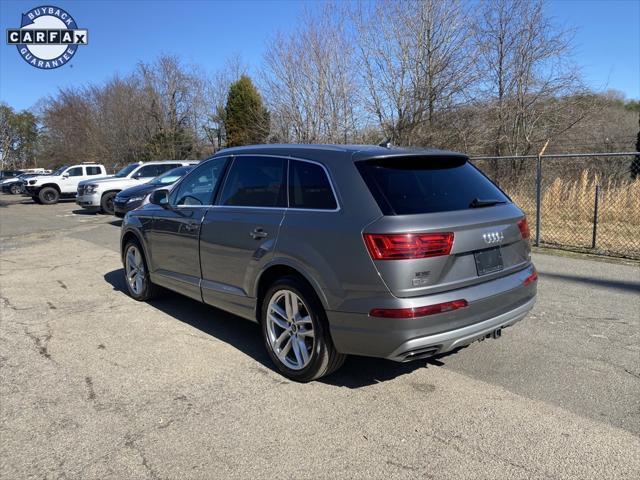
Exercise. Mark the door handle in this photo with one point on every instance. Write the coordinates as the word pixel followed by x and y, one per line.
pixel 258 233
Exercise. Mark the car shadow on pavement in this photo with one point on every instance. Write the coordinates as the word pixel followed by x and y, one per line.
pixel 82 211
pixel 629 286
pixel 236 331
pixel 245 336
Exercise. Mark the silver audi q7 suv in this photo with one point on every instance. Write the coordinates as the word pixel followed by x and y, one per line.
pixel 338 250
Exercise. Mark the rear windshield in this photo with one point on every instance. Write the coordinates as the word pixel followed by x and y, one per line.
pixel 406 186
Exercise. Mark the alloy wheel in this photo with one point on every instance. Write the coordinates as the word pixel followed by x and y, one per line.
pixel 290 329
pixel 135 272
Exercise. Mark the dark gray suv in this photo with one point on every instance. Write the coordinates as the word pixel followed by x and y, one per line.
pixel 338 250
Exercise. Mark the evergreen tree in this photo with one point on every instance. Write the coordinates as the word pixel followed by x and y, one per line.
pixel 246 120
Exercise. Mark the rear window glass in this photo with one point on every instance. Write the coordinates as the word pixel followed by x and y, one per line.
pixel 406 186
pixel 309 187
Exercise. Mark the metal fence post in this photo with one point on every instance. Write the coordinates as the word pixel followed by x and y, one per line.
pixel 595 218
pixel 538 199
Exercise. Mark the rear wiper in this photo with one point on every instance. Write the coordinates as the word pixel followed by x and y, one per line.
pixel 478 203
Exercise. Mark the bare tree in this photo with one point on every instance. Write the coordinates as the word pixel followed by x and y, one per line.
pixel 415 63
pixel 174 104
pixel 308 81
pixel 525 64
pixel 216 92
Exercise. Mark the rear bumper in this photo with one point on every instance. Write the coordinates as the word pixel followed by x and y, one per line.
pixel 406 339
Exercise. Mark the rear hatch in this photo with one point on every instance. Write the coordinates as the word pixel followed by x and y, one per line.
pixel 445 225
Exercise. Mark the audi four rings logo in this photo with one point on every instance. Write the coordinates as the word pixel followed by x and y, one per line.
pixel 493 237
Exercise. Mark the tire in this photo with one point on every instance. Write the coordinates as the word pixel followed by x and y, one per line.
pixel 48 196
pixel 139 286
pixel 15 189
pixel 285 340
pixel 36 200
pixel 106 204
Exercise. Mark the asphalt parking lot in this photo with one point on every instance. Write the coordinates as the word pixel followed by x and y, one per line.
pixel 96 385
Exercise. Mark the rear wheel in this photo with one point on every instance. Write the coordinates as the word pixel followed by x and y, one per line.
pixel 107 203
pixel 296 331
pixel 137 274
pixel 48 196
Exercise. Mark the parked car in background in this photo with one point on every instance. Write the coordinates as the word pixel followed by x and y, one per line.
pixel 5 174
pixel 132 198
pixel 336 250
pixel 16 185
pixel 63 183
pixel 98 196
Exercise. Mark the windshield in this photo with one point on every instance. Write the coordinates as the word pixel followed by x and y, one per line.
pixel 171 176
pixel 60 170
pixel 126 170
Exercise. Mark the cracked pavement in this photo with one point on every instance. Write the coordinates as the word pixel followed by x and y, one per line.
pixel 96 385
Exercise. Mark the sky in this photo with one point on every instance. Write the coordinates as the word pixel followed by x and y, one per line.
pixel 122 33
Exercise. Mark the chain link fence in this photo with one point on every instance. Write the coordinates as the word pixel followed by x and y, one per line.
pixel 581 202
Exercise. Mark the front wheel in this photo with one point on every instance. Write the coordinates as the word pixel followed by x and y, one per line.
pixel 137 274
pixel 107 203
pixel 296 331
pixel 15 189
pixel 48 196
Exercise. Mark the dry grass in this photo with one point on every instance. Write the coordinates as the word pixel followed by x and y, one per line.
pixel 568 207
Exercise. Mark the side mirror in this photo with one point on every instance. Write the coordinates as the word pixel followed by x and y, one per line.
pixel 160 197
pixel 65 175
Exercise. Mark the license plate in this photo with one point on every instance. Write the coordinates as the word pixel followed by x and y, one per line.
pixel 488 261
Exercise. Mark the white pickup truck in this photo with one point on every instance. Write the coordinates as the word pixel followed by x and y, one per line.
pixel 48 189
pixel 98 195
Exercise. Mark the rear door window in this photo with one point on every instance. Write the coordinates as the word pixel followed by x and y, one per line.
pixel 163 168
pixel 309 187
pixel 93 171
pixel 415 185
pixel 255 181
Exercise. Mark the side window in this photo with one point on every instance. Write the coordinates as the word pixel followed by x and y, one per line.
pixel 93 170
pixel 309 187
pixel 147 171
pixel 255 182
pixel 74 172
pixel 198 186
pixel 165 168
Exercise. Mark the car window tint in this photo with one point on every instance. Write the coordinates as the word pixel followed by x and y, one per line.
pixel 160 169
pixel 198 186
pixel 147 171
pixel 309 187
pixel 255 182
pixel 415 185
pixel 75 172
pixel 93 171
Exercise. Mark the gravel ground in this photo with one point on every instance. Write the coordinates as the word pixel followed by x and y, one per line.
pixel 96 385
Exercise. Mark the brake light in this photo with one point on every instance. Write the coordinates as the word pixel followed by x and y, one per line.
pixel 530 279
pixel 402 246
pixel 524 228
pixel 418 311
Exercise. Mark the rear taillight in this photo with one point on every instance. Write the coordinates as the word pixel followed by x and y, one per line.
pixel 402 246
pixel 530 279
pixel 524 228
pixel 418 311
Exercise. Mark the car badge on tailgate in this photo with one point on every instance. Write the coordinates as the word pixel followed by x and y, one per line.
pixel 493 237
